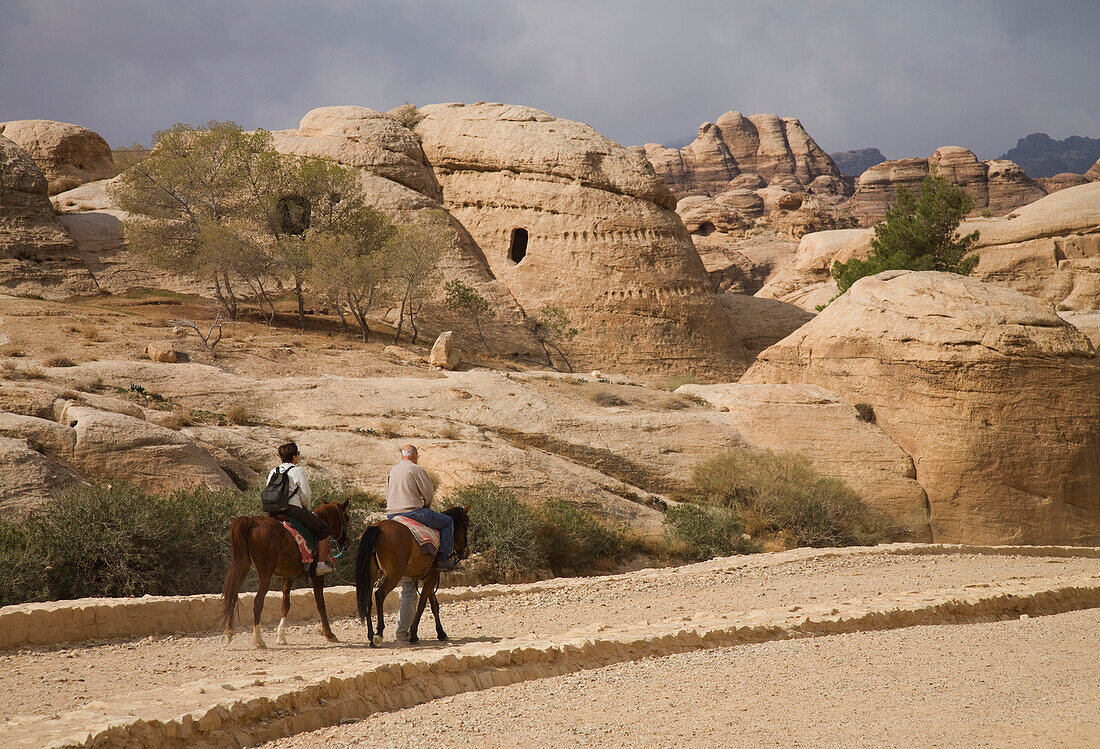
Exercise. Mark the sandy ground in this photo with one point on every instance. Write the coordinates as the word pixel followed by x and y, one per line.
pixel 45 682
pixel 1034 682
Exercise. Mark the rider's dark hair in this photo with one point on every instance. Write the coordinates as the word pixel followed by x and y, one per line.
pixel 287 452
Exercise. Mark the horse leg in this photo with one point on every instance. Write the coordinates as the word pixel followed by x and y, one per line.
pixel 430 581
pixel 258 608
pixel 384 588
pixel 280 633
pixel 319 596
pixel 439 633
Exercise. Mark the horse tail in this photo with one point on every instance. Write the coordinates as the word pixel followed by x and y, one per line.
pixel 239 564
pixel 363 583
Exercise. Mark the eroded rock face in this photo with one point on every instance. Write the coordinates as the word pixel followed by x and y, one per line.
pixel 61 149
pixel 569 218
pixel 995 187
pixel 28 227
pixel 855 163
pixel 1093 173
pixel 813 421
pixel 806 280
pixel 992 394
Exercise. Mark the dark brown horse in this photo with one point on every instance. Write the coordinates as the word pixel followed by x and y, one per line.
pixel 387 553
pixel 264 542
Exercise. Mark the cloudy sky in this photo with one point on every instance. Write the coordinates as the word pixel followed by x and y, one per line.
pixel 906 77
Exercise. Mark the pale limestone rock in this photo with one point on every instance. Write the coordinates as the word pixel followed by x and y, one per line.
pixel 444 352
pixel 990 392
pixel 742 265
pixel 761 322
pixel 31 477
pixel 1009 187
pixel 806 280
pixel 815 422
pixel 552 202
pixel 61 149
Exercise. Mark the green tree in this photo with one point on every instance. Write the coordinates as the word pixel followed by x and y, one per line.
pixel 413 255
pixel 464 299
pixel 552 327
pixel 918 233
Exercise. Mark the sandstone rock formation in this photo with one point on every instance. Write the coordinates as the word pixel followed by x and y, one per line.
pixel 28 227
pixel 1062 181
pixel 759 322
pixel 552 202
pixel 1093 173
pixel 62 150
pixel 990 392
pixel 855 163
pixel 805 281
pixel 995 186
pixel 813 421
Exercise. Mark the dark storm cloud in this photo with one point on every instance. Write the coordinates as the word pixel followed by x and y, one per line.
pixel 906 77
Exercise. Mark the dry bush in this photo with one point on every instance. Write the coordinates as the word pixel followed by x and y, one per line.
pixel 408 115
pixel 63 184
pixel 450 432
pixel 12 350
pixel 865 412
pixel 238 414
pixel 90 333
pixel 605 398
pixel 389 429
pixel 32 373
pixel 59 361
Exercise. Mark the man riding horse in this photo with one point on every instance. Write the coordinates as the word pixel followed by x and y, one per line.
pixel 409 493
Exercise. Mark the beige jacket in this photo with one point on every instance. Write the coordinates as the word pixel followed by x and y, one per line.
pixel 408 488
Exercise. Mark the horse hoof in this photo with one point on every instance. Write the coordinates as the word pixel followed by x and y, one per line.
pixel 376 641
pixel 281 641
pixel 413 640
pixel 442 635
pixel 261 645
pixel 226 639
pixel 332 638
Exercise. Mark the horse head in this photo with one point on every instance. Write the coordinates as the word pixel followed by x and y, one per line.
pixel 336 515
pixel 461 516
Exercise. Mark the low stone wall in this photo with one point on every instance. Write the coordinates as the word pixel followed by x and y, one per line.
pixel 63 622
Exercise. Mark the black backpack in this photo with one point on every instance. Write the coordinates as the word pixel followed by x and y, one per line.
pixel 276 495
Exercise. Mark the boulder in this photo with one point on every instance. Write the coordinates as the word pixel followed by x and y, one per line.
pixel 31 477
pixel 760 322
pixel 28 227
pixel 115 446
pixel 551 202
pixel 992 394
pixel 444 353
pixel 806 280
pixel 64 152
pixel 1093 173
pixel 164 353
pixel 815 422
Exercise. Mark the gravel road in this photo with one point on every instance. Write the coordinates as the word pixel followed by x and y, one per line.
pixel 1034 682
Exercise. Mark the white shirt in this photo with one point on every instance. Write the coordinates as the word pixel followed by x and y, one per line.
pixel 296 477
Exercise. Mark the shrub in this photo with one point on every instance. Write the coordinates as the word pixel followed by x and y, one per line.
pixel 574 539
pixel 697 532
pixel 501 527
pixel 90 333
pixel 781 495
pixel 450 432
pixel 605 398
pixel 238 414
pixel 60 361
pixel 865 412
pixel 389 429
pixel 408 115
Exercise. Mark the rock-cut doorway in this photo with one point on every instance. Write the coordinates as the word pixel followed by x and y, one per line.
pixel 518 249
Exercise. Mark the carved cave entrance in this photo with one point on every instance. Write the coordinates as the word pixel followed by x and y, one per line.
pixel 518 249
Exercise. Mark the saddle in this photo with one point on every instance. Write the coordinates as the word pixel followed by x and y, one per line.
pixel 428 538
pixel 305 541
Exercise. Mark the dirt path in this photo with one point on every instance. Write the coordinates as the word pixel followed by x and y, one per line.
pixel 174 675
pixel 1034 682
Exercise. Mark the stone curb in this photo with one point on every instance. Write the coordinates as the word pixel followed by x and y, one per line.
pixel 266 712
pixel 63 622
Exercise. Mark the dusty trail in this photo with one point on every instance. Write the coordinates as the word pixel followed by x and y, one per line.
pixel 1034 682
pixel 173 675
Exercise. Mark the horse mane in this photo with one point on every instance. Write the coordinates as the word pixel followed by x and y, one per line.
pixel 457 514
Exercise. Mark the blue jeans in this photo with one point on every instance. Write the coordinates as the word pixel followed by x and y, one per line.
pixel 442 523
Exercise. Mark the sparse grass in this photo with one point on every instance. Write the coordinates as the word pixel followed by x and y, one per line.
pixel 91 333
pixel 389 429
pixel 59 361
pixel 12 350
pixel 32 373
pixel 608 399
pixel 239 414
pixel 62 184
pixel 688 378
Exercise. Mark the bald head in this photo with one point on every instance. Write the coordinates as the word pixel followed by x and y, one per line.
pixel 409 452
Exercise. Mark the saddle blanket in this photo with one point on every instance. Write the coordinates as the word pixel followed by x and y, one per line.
pixel 428 538
pixel 303 545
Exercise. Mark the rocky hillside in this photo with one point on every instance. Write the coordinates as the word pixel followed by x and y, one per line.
pixel 1042 156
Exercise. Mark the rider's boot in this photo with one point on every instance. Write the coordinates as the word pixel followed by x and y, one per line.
pixel 324 564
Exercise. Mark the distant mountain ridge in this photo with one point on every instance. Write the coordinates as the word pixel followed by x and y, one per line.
pixel 855 163
pixel 1041 156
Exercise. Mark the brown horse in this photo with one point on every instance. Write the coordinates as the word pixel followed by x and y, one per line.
pixel 387 553
pixel 264 542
